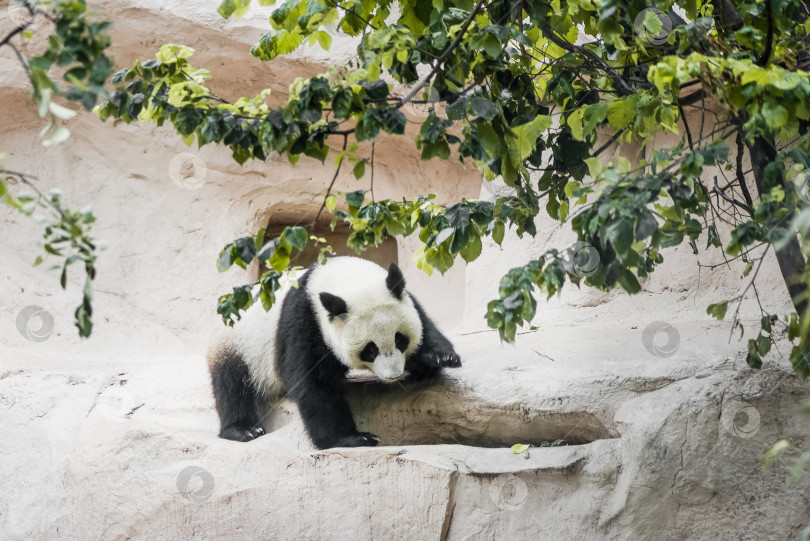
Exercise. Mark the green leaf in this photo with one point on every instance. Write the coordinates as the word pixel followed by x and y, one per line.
pixel 718 310
pixel 498 232
pixel 457 110
pixel 297 236
pixel 524 142
pixel 258 240
pixel 394 121
pixel 483 108
pixel 775 115
pixel 458 216
pixel 753 358
pixel 472 250
pixel 595 168
pixel 763 345
pixel 748 268
pixel 628 281
pixel 359 169
pixel 439 258
pixel 227 8
pixel 355 199
pixel 323 39
pixel 492 47
pixel 520 448
pixel 267 250
pixel 574 121
pixel 83 319
pixel 619 114
pixel 800 359
pixel 444 235
pixel 620 234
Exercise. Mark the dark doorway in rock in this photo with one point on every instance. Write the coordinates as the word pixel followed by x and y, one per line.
pixel 384 254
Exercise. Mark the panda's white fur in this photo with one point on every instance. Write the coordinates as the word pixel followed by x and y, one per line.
pixel 254 337
pixel 374 315
pixel 348 314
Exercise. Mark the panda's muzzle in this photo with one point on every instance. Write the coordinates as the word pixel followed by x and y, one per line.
pixel 389 367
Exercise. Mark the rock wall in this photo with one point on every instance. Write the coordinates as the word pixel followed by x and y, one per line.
pixel 115 437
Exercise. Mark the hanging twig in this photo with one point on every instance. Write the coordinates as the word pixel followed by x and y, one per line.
pixel 331 184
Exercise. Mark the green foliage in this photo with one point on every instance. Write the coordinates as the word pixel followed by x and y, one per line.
pixel 718 310
pixel 76 50
pixel 67 235
pixel 522 101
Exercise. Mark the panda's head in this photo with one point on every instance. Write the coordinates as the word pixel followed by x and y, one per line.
pixel 373 325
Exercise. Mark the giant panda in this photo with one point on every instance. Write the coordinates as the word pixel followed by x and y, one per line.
pixel 347 313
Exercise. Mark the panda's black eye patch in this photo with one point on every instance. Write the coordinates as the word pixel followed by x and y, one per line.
pixel 401 341
pixel 369 353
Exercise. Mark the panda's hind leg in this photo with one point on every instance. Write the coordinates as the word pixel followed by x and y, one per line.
pixel 235 396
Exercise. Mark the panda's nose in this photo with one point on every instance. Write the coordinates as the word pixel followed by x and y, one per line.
pixel 389 367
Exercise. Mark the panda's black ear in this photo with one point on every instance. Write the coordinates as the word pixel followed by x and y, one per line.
pixel 395 281
pixel 335 306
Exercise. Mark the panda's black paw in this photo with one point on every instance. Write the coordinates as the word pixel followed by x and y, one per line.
pixel 444 358
pixel 241 433
pixel 358 439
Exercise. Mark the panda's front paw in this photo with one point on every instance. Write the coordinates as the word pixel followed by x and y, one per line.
pixel 241 433
pixel 445 358
pixel 358 439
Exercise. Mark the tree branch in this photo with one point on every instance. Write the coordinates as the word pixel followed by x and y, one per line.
pixel 624 88
pixel 443 57
pixel 331 184
pixel 719 191
pixel 789 254
pixel 766 54
pixel 739 169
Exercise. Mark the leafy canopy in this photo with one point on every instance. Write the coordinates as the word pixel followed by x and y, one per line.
pixel 525 91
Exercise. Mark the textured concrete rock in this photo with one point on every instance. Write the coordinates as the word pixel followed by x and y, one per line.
pixel 667 449
pixel 115 438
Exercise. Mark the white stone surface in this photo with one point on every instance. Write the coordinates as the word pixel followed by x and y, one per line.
pixel 95 436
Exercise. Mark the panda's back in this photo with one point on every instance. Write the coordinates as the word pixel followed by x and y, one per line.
pixel 253 338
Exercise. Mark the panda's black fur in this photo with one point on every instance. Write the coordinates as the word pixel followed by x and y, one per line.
pixel 310 371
